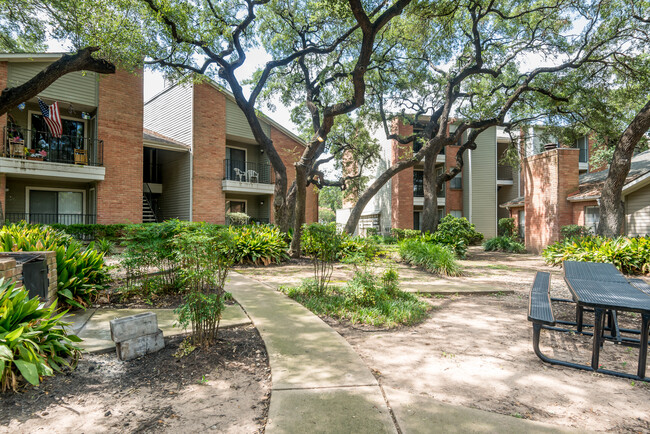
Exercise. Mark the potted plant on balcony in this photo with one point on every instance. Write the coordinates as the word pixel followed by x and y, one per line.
pixel 33 155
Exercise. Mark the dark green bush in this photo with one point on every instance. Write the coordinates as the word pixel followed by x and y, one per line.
pixel 629 255
pixel 402 234
pixel 346 245
pixel 92 231
pixel 506 227
pixel 81 273
pixel 434 258
pixel 258 244
pixel 503 244
pixel 33 342
pixel 574 231
pixel 323 244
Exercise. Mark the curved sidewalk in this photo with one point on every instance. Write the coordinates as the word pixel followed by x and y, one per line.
pixel 319 382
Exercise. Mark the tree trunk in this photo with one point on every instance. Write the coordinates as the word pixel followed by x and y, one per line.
pixel 612 212
pixel 299 217
pixel 429 221
pixel 81 61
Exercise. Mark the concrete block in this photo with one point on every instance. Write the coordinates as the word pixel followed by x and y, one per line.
pixel 136 347
pixel 130 327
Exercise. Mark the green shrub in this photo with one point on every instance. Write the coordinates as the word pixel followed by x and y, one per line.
pixel 629 255
pixel 371 232
pixel 237 218
pixel 402 234
pixel 92 231
pixel 105 246
pixel 33 342
pixel 574 231
pixel 326 215
pixel 434 258
pixel 258 244
pixel 346 245
pixel 506 227
pixel 456 233
pixel 81 273
pixel 503 244
pixel 322 243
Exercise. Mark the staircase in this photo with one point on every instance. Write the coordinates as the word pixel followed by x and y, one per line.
pixel 148 215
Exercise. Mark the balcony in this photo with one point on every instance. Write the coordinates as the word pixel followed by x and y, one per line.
pixel 418 194
pixel 49 219
pixel 33 153
pixel 253 221
pixel 504 175
pixel 248 177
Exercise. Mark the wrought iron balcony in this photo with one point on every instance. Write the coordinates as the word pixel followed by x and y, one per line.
pixel 504 173
pixel 36 145
pixel 49 219
pixel 418 190
pixel 246 171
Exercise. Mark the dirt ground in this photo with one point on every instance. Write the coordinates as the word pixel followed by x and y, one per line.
pixel 476 350
pixel 223 388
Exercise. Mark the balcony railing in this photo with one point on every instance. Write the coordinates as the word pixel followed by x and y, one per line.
pixel 504 173
pixel 35 145
pixel 252 221
pixel 418 191
pixel 246 171
pixel 49 219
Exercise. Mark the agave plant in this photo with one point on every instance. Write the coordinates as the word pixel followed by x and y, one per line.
pixel 33 341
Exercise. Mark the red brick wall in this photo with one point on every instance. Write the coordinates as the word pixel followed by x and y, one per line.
pixel 402 183
pixel 578 217
pixel 3 85
pixel 290 151
pixel 119 120
pixel 209 151
pixel 551 176
pixel 454 198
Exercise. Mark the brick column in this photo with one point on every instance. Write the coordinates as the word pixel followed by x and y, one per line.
pixel 209 153
pixel 402 183
pixel 550 177
pixel 453 197
pixel 119 125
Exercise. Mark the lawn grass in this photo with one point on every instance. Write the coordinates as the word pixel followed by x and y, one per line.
pixel 337 302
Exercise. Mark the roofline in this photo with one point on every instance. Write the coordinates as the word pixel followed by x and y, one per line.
pixel 43 57
pixel 583 199
pixel 636 184
pixel 165 146
pixel 514 205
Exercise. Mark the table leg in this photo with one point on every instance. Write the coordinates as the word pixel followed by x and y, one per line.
pixel 598 331
pixel 643 348
pixel 579 316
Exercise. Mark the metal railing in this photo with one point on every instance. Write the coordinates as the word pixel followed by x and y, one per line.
pixel 42 146
pixel 246 171
pixel 504 173
pixel 48 219
pixel 252 221
pixel 418 190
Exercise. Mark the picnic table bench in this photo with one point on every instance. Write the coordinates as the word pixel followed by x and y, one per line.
pixel 598 288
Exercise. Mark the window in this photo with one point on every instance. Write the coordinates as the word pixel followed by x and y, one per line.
pixel 416 220
pixel 583 146
pixel 521 221
pixel 418 183
pixel 441 187
pixel 57 149
pixel 236 206
pixel 441 212
pixel 48 206
pixel 592 217
pixel 456 182
pixel 457 214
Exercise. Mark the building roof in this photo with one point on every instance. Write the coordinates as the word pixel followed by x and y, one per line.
pixel 591 184
pixel 38 57
pixel 519 201
pixel 158 140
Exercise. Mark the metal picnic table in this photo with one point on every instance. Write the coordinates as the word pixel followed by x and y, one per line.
pixel 604 289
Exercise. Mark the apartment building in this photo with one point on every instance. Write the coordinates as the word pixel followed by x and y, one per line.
pixel 195 159
pixel 92 172
pixel 475 193
pixel 197 132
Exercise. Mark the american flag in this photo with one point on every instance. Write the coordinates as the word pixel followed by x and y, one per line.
pixel 52 117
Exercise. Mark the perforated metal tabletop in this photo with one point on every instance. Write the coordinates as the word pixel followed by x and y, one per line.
pixel 609 295
pixel 592 271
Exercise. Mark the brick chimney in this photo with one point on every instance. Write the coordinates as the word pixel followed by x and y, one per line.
pixel 550 177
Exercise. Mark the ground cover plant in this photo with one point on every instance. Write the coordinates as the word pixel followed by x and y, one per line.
pixel 435 258
pixel 367 298
pixel 81 271
pixel 504 244
pixel 573 231
pixel 33 343
pixel 258 244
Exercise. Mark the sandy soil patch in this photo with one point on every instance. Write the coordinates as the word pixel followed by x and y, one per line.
pixel 223 388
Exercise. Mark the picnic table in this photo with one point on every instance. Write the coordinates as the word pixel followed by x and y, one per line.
pixel 602 288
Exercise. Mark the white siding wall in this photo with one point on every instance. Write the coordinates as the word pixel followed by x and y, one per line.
pixel 76 87
pixel 237 126
pixel 170 113
pixel 483 178
pixel 637 212
pixel 175 202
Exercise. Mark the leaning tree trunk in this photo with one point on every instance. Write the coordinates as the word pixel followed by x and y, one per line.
pixel 429 221
pixel 612 212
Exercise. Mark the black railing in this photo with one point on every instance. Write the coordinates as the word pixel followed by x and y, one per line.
pixel 245 171
pixel 418 190
pixel 35 145
pixel 252 221
pixel 504 173
pixel 48 219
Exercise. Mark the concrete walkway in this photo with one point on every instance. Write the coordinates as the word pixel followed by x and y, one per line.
pixel 321 385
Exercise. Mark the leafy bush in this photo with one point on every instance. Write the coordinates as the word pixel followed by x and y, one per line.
pixel 237 218
pixel 205 257
pixel 81 273
pixel 33 342
pixel 258 244
pixel 402 234
pixel 432 257
pixel 629 255
pixel 503 244
pixel 92 231
pixel 323 244
pixel 506 227
pixel 456 233
pixel 371 232
pixel 574 231
pixel 105 246
pixel 326 215
pixel 366 299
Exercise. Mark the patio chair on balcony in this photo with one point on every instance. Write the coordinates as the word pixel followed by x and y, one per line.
pixel 253 174
pixel 17 149
pixel 80 157
pixel 239 174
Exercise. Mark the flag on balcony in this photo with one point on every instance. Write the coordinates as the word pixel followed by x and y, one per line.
pixel 52 117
